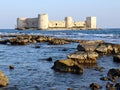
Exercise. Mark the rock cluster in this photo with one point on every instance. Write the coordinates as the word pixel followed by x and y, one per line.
pixel 100 47
pixel 3 80
pixel 28 39
pixel 88 53
pixel 67 66
pixel 113 77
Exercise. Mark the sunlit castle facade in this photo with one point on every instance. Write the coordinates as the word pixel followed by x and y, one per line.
pixel 42 22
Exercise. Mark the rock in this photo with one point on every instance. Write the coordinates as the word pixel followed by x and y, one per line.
pixel 117 86
pixel 89 45
pixel 3 41
pixel 49 59
pixel 11 67
pixel 98 68
pixel 95 86
pixel 108 48
pixel 3 80
pixel 16 41
pixel 104 78
pixel 109 85
pixel 116 48
pixel 67 66
pixel 57 41
pixel 70 89
pixel 37 46
pixel 104 48
pixel 64 49
pixel 116 58
pixel 114 73
pixel 84 57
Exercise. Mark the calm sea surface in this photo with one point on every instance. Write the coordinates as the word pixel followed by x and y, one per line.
pixel 33 72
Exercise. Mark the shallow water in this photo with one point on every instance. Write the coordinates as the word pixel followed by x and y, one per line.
pixel 33 72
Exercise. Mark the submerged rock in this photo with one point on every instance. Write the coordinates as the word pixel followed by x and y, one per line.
pixel 117 86
pixel 37 46
pixel 110 86
pixel 3 80
pixel 67 66
pixel 116 58
pixel 49 59
pixel 114 73
pixel 11 67
pixel 95 86
pixel 84 57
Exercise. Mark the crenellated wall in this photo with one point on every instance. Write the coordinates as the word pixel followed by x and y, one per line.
pixel 42 22
pixel 56 24
pixel 81 24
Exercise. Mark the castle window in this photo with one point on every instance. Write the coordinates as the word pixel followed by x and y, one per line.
pixel 56 24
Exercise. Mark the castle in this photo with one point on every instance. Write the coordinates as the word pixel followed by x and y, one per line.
pixel 42 23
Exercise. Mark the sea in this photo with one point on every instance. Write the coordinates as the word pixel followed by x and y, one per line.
pixel 33 72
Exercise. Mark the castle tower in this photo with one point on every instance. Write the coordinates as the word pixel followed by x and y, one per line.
pixel 68 22
pixel 43 21
pixel 21 24
pixel 91 22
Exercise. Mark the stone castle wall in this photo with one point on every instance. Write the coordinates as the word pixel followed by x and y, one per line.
pixel 42 22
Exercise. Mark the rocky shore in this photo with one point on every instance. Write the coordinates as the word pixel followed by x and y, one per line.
pixel 87 52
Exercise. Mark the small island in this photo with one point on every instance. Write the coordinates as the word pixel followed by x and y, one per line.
pixel 42 23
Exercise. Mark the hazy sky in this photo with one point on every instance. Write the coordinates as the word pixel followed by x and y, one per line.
pixel 106 11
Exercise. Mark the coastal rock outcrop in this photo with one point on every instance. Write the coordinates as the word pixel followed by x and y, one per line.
pixel 89 45
pixel 84 57
pixel 67 66
pixel 3 80
pixel 99 46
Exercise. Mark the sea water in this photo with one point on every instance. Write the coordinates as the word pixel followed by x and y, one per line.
pixel 33 72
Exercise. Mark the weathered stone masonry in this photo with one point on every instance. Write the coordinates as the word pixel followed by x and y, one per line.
pixel 42 23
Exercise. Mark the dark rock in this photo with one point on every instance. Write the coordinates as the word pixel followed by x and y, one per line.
pixel 117 86
pixel 64 49
pixel 104 78
pixel 114 73
pixel 98 68
pixel 116 58
pixel 109 85
pixel 3 80
pixel 49 59
pixel 3 41
pixel 11 67
pixel 37 46
pixel 67 66
pixel 70 89
pixel 95 86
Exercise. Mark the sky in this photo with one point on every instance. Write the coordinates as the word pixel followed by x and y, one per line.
pixel 106 11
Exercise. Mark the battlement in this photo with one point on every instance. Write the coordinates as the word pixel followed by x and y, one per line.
pixel 42 23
